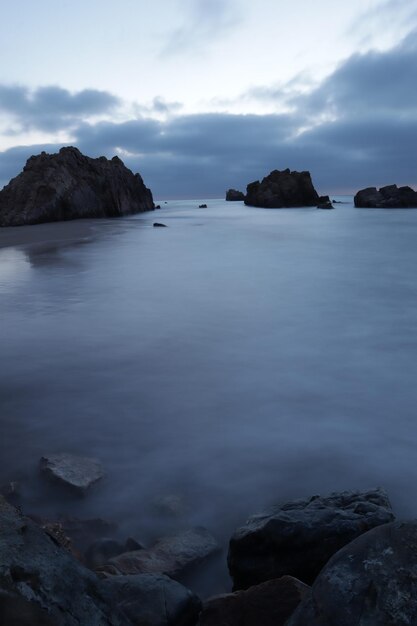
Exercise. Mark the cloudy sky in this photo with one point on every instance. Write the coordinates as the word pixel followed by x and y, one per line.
pixel 202 95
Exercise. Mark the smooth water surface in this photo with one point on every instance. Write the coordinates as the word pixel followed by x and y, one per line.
pixel 240 356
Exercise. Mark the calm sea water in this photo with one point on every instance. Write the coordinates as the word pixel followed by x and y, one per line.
pixel 238 357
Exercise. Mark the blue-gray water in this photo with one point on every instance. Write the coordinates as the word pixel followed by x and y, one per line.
pixel 238 357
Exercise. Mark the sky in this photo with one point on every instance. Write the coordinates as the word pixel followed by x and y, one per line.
pixel 203 95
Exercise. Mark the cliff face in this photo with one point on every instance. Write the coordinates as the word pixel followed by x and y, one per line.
pixel 282 189
pixel 69 185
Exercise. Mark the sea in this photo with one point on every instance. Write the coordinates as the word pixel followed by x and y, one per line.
pixel 237 358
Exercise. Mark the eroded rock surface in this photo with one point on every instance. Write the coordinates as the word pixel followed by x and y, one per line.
pixel 69 185
pixel 299 537
pixel 75 472
pixel 389 197
pixel 282 189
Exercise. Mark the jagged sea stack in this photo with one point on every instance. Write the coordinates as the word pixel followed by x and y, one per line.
pixel 282 189
pixel 69 185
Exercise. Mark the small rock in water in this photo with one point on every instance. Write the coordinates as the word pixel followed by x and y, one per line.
pixel 76 472
pixel 202 206
pixel 159 225
pixel 158 206
pixel 233 195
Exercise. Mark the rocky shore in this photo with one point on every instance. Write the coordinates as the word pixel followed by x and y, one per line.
pixel 324 560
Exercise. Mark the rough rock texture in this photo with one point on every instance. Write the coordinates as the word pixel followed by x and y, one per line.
pixel 46 578
pixel 282 189
pixel 371 582
pixel 104 549
pixel 171 555
pixel 268 604
pixel 150 600
pixel 299 537
pixel 233 195
pixel 389 197
pixel 69 185
pixel 76 472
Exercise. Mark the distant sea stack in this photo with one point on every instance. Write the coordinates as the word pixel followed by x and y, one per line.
pixel 389 197
pixel 69 185
pixel 232 195
pixel 283 189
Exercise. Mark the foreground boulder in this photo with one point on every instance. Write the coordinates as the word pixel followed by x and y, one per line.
pixel 41 583
pixel 171 555
pixel 389 197
pixel 150 600
pixel 371 581
pixel 269 604
pixel 233 195
pixel 69 185
pixel 282 189
pixel 299 537
pixel 74 472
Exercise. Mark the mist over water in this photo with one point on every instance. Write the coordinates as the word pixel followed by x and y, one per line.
pixel 237 358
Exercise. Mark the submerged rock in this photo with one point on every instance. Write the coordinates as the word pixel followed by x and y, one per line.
pixel 269 604
pixel 371 581
pixel 299 537
pixel 282 189
pixel 233 195
pixel 159 225
pixel 170 555
pixel 69 185
pixel 151 600
pixel 75 472
pixel 389 197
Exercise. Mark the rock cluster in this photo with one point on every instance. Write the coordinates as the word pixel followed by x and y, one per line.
pixel 283 189
pixel 233 195
pixel 389 197
pixel 69 185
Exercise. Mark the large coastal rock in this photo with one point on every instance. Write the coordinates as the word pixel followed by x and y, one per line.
pixel 389 197
pixel 233 195
pixel 69 185
pixel 298 538
pixel 372 581
pixel 282 189
pixel 41 583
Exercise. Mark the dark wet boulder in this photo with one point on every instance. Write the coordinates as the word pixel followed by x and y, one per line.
pixel 325 203
pixel 389 197
pixel 233 195
pixel 38 576
pixel 69 185
pixel 270 604
pixel 152 600
pixel 159 225
pixel 172 555
pixel 370 581
pixel 74 472
pixel 282 189
pixel 299 537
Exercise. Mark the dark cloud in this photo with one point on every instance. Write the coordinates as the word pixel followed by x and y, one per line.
pixel 52 108
pixel 357 128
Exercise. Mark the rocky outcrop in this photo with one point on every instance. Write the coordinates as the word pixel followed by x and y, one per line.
pixel 371 581
pixel 233 195
pixel 389 197
pixel 325 203
pixel 69 185
pixel 282 189
pixel 298 538
pixel 269 604
pixel 74 472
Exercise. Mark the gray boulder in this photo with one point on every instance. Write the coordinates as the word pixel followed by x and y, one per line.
pixel 171 555
pixel 372 581
pixel 69 185
pixel 42 582
pixel 389 197
pixel 232 195
pixel 75 472
pixel 150 600
pixel 299 537
pixel 282 189
pixel 270 604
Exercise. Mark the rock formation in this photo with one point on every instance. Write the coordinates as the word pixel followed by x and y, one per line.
pixel 389 197
pixel 282 189
pixel 69 185
pixel 232 195
pixel 75 472
pixel 299 537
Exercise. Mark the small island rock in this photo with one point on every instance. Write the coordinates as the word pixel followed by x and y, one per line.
pixel 389 197
pixel 233 195
pixel 69 185
pixel 282 189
